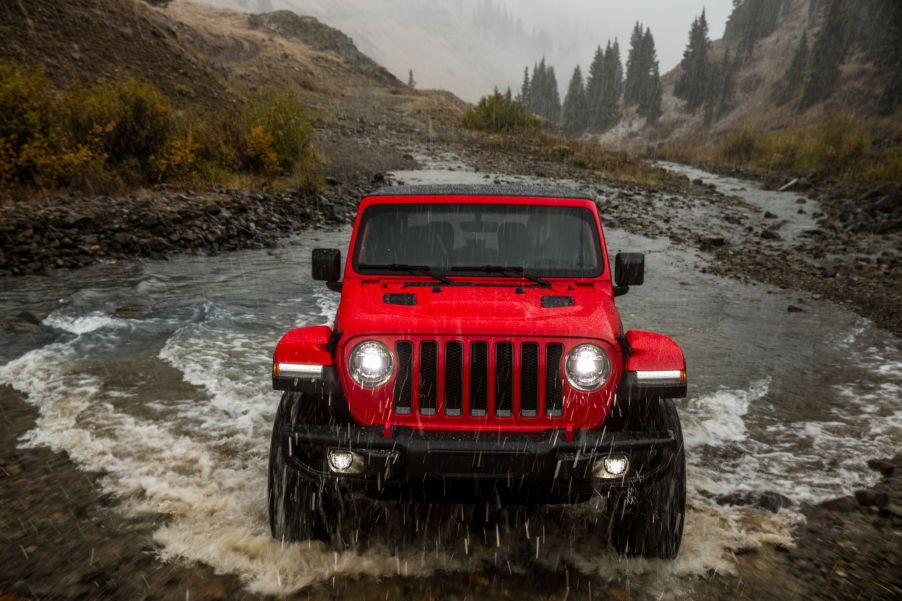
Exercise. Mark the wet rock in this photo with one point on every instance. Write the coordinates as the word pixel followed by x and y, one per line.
pixel 769 215
pixel 28 317
pixel 870 498
pixel 768 500
pixel 794 309
pixel 770 234
pixel 710 242
pixel 130 311
pixel 884 466
pixel 842 504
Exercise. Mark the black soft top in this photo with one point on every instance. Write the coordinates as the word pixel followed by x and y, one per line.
pixel 482 190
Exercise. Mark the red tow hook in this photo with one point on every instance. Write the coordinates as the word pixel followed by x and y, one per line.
pixel 386 429
pixel 568 433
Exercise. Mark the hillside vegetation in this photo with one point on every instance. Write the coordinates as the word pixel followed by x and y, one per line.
pixel 103 96
pixel 122 133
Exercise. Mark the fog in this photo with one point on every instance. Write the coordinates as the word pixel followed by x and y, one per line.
pixel 471 46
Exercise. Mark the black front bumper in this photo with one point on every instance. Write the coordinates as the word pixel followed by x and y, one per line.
pixel 418 461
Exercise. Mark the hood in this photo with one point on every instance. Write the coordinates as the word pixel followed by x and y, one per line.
pixel 566 309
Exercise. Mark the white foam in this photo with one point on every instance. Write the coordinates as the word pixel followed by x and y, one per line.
pixel 201 462
pixel 717 418
pixel 83 324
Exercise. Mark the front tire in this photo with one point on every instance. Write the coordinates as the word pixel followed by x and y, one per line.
pixel 652 525
pixel 299 508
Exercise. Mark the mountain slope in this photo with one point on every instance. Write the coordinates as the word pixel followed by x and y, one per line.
pixel 760 72
pixel 213 59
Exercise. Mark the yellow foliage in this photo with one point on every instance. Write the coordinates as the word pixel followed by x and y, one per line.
pixel 260 155
pixel 126 132
pixel 838 149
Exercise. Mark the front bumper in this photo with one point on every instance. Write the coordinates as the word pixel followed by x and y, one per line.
pixel 413 460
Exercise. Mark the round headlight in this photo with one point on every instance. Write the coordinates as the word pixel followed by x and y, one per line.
pixel 370 364
pixel 587 367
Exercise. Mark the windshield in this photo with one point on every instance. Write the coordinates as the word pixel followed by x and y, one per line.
pixel 540 240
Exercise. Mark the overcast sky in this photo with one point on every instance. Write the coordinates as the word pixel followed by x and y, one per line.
pixel 602 19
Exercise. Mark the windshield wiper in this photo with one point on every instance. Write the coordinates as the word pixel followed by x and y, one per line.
pixel 413 269
pixel 502 270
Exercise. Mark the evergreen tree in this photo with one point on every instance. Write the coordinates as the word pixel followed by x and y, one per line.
pixel 575 117
pixel 634 68
pixel 650 81
pixel 544 98
pixel 523 97
pixel 410 80
pixel 828 54
pixel 595 88
pixel 750 21
pixel 795 74
pixel 719 96
pixel 613 86
pixel 882 45
pixel 693 84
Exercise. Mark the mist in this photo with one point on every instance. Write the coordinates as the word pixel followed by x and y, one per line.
pixel 471 46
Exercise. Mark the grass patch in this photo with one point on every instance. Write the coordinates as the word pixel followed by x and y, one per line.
pixel 617 167
pixel 839 149
pixel 121 134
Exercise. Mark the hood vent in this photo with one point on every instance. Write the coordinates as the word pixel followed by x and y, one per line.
pixel 555 302
pixel 407 300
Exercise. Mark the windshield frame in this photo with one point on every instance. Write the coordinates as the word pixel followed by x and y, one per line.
pixel 353 266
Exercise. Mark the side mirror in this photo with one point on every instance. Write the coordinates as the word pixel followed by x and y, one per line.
pixel 629 270
pixel 327 267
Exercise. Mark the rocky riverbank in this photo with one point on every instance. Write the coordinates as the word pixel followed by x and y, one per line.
pixel 39 236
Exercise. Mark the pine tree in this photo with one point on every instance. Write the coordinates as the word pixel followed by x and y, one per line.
pixel 523 97
pixel 795 74
pixel 634 68
pixel 594 89
pixel 750 21
pixel 650 88
pixel 575 117
pixel 828 54
pixel 410 80
pixel 693 84
pixel 544 98
pixel 881 42
pixel 721 87
pixel 613 86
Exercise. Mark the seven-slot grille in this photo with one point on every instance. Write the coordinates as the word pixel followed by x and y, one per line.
pixel 479 378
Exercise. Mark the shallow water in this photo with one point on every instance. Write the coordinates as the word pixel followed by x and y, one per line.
pixel 171 399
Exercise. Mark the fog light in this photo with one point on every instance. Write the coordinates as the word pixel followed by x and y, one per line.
pixel 614 466
pixel 345 462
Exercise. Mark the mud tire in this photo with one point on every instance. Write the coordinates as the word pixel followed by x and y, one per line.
pixel 300 508
pixel 651 525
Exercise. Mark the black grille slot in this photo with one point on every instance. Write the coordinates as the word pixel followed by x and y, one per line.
pixel 454 364
pixel 554 385
pixel 403 393
pixel 428 394
pixel 479 378
pixel 504 379
pixel 529 379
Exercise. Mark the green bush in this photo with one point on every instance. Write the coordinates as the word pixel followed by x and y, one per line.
pixel 278 137
pixel 496 113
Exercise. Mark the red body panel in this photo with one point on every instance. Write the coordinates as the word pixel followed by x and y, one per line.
pixel 305 345
pixel 650 351
pixel 478 314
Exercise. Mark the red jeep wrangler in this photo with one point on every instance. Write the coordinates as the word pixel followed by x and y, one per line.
pixel 477 355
